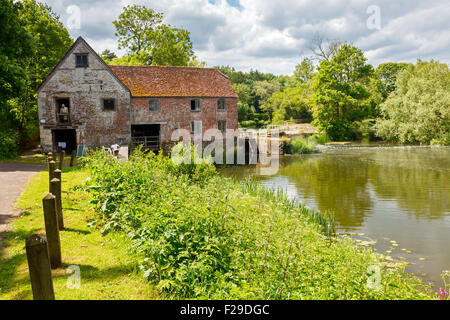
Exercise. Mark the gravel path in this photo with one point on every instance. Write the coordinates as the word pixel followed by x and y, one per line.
pixel 13 178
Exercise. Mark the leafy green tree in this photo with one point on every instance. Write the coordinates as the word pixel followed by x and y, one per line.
pixel 305 70
pixel 263 91
pixel 291 104
pixel 341 92
pixel 387 73
pixel 15 44
pixel 149 41
pixel 172 46
pixel 108 55
pixel 136 28
pixel 244 92
pixel 49 42
pixel 418 111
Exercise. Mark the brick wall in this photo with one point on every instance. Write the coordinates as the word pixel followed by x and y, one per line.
pixel 176 113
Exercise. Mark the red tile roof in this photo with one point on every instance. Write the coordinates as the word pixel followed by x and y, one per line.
pixel 164 81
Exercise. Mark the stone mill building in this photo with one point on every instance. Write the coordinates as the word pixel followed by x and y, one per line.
pixel 85 101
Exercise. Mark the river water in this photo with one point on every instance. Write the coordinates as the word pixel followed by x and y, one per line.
pixel 395 197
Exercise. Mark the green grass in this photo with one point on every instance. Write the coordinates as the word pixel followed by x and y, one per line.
pixel 108 270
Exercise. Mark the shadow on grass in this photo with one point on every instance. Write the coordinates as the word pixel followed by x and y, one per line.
pixel 9 265
pixel 77 231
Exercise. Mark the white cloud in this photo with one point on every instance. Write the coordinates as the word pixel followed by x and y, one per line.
pixel 272 35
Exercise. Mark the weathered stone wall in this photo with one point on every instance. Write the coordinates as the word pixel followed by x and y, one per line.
pixel 176 113
pixel 86 88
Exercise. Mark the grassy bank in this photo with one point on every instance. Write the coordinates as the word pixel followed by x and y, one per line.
pixel 304 145
pixel 203 236
pixel 108 270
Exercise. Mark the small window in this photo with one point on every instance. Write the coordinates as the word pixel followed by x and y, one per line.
pixel 109 104
pixel 222 125
pixel 195 105
pixel 81 60
pixel 153 105
pixel 221 104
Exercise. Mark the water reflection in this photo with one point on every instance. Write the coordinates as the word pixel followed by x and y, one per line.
pixel 395 193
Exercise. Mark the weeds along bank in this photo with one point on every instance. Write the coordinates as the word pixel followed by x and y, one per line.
pixel 200 235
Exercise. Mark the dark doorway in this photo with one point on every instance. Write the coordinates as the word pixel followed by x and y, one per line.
pixel 65 140
pixel 146 135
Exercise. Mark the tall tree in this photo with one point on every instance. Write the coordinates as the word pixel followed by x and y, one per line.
pixel 387 73
pixel 305 70
pixel 15 44
pixel 149 41
pixel 341 92
pixel 50 40
pixel 419 109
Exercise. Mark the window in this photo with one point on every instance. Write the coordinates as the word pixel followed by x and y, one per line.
pixel 222 125
pixel 81 60
pixel 195 105
pixel 153 105
pixel 221 104
pixel 109 104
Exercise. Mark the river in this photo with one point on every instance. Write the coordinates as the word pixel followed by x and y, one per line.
pixel 395 197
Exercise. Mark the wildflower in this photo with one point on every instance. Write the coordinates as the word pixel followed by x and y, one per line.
pixel 442 294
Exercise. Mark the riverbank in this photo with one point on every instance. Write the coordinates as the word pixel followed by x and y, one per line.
pixel 395 197
pixel 195 234
pixel 205 236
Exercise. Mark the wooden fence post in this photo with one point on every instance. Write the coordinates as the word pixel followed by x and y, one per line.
pixel 51 170
pixel 39 268
pixel 50 156
pixel 61 159
pixel 51 230
pixel 55 189
pixel 72 158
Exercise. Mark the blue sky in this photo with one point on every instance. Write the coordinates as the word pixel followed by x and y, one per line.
pixel 273 36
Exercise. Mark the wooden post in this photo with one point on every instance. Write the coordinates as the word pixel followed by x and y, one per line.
pixel 51 230
pixel 61 159
pixel 39 268
pixel 72 158
pixel 55 189
pixel 51 170
pixel 50 156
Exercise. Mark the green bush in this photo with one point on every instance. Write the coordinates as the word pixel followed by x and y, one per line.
pixel 204 236
pixel 300 146
pixel 8 145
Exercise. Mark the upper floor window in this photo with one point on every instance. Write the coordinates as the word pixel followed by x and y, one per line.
pixel 153 105
pixel 109 104
pixel 221 105
pixel 195 105
pixel 81 60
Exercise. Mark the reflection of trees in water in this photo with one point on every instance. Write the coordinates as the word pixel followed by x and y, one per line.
pixel 418 179
pixel 337 183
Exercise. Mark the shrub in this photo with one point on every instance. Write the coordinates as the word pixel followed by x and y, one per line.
pixel 300 146
pixel 8 144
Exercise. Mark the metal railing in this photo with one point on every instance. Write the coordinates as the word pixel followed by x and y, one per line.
pixel 149 142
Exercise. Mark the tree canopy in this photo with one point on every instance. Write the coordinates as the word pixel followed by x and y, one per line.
pixel 418 111
pixel 150 42
pixel 341 92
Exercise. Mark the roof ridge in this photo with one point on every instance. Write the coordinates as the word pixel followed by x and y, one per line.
pixel 156 66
